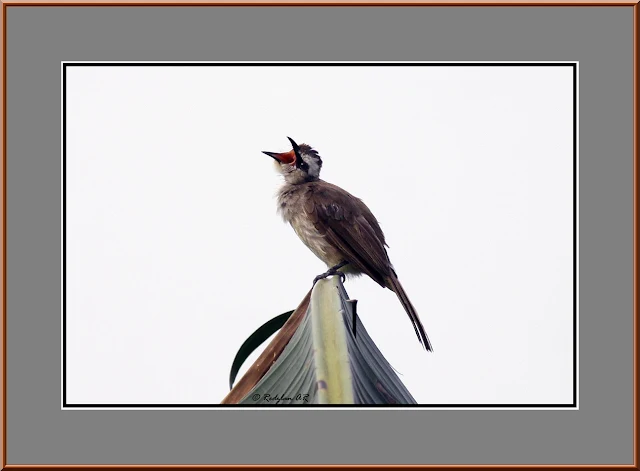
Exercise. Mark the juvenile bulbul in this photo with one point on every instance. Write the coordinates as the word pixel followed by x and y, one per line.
pixel 336 226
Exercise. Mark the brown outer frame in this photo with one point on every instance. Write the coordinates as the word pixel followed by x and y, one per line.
pixel 264 3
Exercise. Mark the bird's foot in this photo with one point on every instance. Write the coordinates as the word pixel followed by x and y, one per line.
pixel 330 272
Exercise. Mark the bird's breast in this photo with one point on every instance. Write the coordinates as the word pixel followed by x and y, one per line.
pixel 291 208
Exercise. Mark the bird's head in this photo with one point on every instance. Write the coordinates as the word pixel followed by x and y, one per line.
pixel 301 164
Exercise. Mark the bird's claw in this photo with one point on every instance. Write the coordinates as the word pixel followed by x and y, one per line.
pixel 330 272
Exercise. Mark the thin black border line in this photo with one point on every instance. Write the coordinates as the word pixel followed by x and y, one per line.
pixel 320 406
pixel 317 64
pixel 313 64
pixel 64 235
pixel 575 235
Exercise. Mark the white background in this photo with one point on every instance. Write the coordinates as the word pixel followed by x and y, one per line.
pixel 175 254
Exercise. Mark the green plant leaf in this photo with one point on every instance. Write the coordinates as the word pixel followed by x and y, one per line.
pixel 294 378
pixel 254 341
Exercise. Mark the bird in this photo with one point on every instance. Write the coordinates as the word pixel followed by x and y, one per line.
pixel 336 226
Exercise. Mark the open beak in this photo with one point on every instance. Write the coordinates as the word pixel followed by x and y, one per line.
pixel 285 157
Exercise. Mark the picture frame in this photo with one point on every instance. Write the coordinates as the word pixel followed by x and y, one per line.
pixel 42 435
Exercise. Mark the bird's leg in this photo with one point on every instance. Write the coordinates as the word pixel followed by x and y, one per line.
pixel 332 271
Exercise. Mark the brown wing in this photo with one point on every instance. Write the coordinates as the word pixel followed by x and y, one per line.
pixel 348 224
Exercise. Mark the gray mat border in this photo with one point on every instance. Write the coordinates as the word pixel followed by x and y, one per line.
pixel 612 206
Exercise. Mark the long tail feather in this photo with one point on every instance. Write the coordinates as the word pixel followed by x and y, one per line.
pixel 394 285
